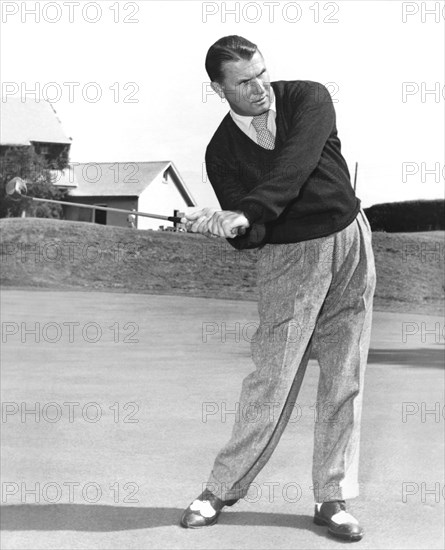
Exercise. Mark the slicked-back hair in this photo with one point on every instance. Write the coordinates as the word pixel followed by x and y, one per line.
pixel 227 48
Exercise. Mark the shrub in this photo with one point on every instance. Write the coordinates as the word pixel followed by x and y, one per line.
pixel 407 216
pixel 25 163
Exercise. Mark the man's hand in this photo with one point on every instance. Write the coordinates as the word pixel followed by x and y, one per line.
pixel 225 222
pixel 209 221
pixel 196 222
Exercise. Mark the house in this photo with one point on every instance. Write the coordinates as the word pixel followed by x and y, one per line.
pixel 154 187
pixel 30 123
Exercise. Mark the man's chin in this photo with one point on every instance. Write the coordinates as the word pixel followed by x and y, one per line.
pixel 255 108
pixel 261 107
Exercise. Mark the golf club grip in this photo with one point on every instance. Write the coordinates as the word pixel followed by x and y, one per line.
pixel 238 231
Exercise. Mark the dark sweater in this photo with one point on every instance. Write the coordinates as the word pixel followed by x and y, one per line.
pixel 300 190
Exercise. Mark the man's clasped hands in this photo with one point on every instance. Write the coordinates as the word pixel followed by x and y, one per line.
pixel 216 223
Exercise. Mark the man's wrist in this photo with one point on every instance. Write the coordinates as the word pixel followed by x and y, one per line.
pixel 252 212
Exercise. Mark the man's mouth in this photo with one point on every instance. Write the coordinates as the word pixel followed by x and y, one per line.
pixel 260 100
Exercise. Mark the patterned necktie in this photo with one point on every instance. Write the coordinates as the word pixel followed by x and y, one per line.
pixel 265 138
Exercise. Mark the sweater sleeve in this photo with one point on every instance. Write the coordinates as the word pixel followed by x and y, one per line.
pixel 230 191
pixel 313 120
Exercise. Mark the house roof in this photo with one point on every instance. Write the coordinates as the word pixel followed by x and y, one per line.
pixel 26 120
pixel 124 179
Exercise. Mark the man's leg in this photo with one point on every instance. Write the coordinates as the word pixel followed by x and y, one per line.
pixel 293 284
pixel 341 343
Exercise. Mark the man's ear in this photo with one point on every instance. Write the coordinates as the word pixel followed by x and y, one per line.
pixel 217 88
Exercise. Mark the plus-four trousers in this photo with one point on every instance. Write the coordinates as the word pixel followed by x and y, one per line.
pixel 315 297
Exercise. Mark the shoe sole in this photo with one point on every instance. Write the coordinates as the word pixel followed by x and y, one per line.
pixel 214 520
pixel 325 523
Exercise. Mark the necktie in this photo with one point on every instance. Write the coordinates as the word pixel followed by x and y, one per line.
pixel 265 138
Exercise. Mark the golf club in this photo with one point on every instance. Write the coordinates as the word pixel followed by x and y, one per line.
pixel 16 188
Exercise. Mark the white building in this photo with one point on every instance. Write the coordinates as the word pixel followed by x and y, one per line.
pixel 154 187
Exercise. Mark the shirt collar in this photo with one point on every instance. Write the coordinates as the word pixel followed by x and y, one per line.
pixel 246 121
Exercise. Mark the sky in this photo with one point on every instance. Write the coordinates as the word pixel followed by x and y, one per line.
pixel 127 79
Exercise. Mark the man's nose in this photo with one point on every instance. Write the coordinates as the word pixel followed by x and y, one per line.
pixel 258 87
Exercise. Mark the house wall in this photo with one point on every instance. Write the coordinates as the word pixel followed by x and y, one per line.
pixel 74 213
pixel 160 198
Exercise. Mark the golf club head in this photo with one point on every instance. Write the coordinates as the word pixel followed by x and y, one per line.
pixel 16 188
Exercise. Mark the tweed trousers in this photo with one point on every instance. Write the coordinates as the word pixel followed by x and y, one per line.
pixel 315 298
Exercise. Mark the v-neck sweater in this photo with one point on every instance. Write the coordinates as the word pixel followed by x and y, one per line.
pixel 298 191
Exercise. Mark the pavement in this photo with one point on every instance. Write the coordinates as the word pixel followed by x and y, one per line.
pixel 114 406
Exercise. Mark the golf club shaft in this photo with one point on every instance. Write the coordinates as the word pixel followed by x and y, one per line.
pixel 174 219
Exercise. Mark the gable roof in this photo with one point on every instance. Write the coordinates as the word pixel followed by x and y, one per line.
pixel 26 120
pixel 124 179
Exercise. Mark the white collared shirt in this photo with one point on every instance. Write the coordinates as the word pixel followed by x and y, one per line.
pixel 244 123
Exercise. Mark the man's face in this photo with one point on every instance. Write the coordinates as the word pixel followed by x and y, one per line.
pixel 246 86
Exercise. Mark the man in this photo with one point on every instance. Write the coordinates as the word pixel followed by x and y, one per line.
pixel 131 220
pixel 276 166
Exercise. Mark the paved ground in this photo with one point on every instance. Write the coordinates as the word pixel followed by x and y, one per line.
pixel 150 407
